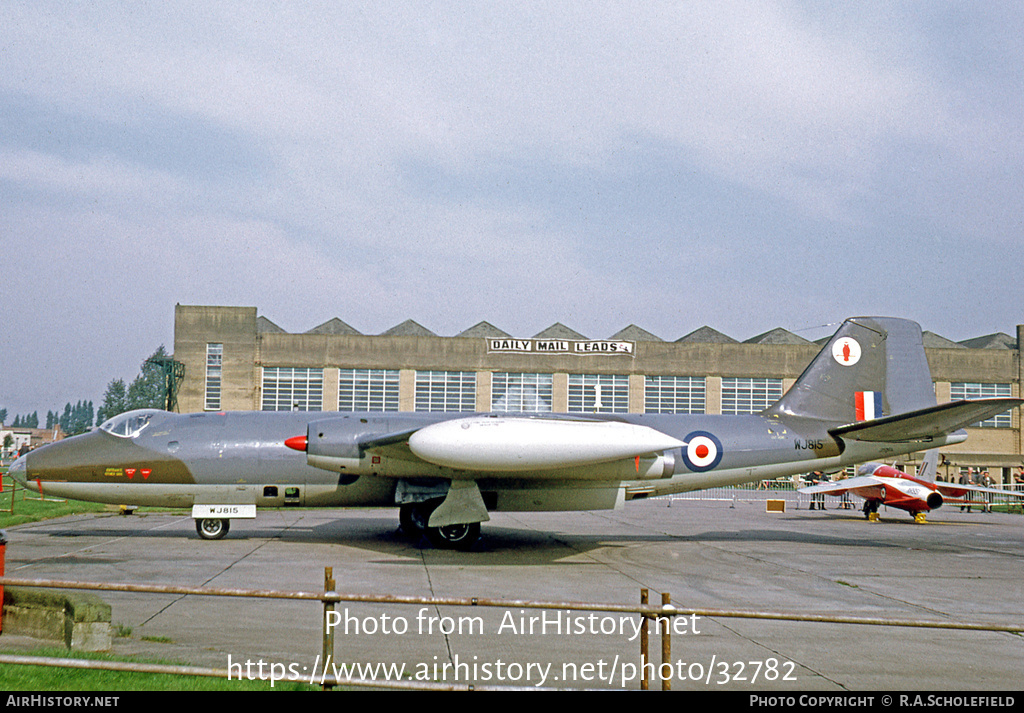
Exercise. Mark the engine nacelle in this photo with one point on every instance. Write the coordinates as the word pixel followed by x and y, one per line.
pixel 332 444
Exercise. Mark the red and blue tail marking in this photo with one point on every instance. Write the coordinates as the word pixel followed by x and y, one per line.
pixel 868 405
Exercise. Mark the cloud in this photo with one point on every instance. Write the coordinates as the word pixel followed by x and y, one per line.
pixel 741 165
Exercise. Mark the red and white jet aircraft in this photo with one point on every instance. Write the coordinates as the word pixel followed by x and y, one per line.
pixel 881 484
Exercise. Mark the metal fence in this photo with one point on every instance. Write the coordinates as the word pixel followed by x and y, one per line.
pixel 329 598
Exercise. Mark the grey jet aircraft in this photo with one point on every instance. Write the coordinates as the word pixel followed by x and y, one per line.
pixel 867 395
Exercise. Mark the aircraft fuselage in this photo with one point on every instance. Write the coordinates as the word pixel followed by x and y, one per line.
pixel 179 460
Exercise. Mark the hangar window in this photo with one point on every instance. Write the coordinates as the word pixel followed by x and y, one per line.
pixel 598 393
pixel 214 361
pixel 288 388
pixel 968 390
pixel 744 395
pixel 368 389
pixel 445 391
pixel 521 392
pixel 675 394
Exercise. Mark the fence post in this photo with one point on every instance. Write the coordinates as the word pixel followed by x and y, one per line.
pixel 644 684
pixel 666 644
pixel 14 489
pixel 327 653
pixel 3 556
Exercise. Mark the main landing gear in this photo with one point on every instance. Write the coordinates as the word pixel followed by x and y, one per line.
pixel 212 528
pixel 415 516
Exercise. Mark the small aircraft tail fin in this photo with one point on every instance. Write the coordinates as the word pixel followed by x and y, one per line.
pixel 870 368
pixel 929 466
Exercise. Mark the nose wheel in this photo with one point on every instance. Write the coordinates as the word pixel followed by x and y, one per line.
pixel 212 528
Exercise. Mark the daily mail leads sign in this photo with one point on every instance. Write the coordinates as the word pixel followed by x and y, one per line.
pixel 559 346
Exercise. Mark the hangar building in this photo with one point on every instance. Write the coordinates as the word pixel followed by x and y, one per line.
pixel 236 360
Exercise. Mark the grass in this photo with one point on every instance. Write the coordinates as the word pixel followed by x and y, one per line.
pixel 29 508
pixel 25 677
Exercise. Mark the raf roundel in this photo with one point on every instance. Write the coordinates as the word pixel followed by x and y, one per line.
pixel 703 451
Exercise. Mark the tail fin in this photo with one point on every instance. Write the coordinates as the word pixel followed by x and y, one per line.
pixel 871 367
pixel 929 465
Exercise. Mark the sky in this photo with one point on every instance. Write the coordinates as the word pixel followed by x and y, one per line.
pixel 742 165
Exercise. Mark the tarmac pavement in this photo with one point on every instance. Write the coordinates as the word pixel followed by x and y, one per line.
pixel 957 567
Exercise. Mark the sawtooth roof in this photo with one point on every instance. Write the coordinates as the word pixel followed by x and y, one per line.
pixel 264 325
pixel 991 341
pixel 408 328
pixel 777 336
pixel 633 333
pixel 484 329
pixel 333 326
pixel 558 331
pixel 936 341
pixel 706 335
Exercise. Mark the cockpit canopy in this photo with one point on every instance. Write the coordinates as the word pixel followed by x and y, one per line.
pixel 129 424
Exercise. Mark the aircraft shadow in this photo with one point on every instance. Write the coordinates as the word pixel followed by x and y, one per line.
pixel 499 545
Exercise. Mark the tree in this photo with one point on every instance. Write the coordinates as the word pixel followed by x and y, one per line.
pixel 114 401
pixel 65 419
pixel 76 419
pixel 148 388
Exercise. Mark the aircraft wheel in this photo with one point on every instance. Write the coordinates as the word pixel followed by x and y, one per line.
pixel 413 517
pixel 212 528
pixel 454 537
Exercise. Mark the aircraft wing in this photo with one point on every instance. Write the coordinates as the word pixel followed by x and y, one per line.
pixel 388 439
pixel 926 423
pixel 958 490
pixel 491 444
pixel 841 486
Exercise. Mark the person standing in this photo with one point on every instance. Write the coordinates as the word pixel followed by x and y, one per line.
pixel 818 477
pixel 967 479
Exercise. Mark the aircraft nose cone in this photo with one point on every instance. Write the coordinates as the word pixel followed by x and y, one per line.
pixel 18 468
pixel 297 443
